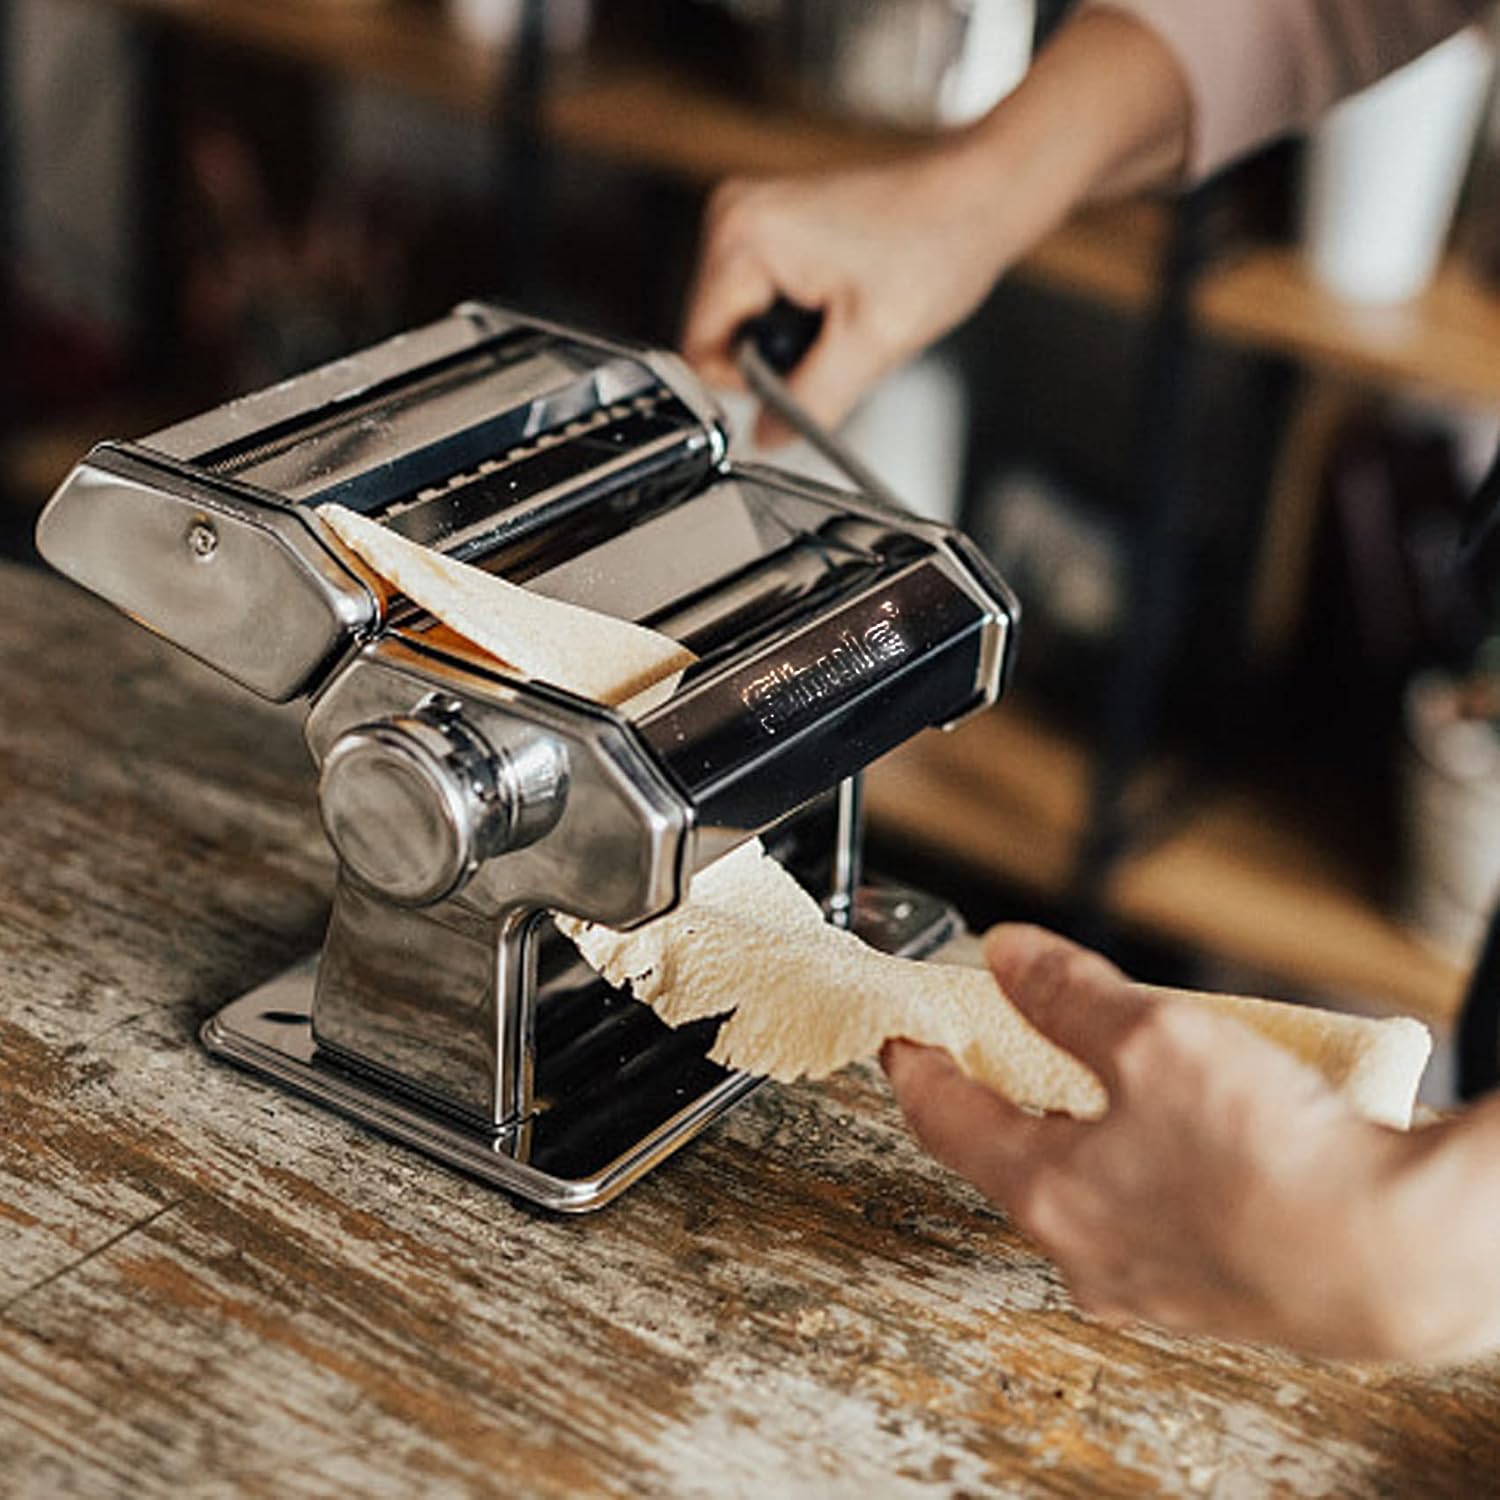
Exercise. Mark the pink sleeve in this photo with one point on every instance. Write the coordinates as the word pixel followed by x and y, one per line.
pixel 1258 68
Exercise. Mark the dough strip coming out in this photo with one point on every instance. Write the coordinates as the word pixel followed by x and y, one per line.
pixel 808 998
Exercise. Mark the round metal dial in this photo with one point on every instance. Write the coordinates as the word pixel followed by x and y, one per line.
pixel 413 804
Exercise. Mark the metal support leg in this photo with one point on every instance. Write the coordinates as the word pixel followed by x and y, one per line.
pixel 848 851
pixel 156 247
pixel 521 156
pixel 1159 567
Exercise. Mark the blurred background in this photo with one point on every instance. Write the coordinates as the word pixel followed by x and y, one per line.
pixel 1220 445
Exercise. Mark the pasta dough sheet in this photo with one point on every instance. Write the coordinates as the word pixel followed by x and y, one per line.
pixel 593 655
pixel 807 998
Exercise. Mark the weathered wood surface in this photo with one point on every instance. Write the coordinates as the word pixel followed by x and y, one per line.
pixel 209 1288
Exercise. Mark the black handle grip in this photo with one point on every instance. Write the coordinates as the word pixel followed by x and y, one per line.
pixel 782 334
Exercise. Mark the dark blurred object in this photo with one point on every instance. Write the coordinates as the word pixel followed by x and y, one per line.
pixel 1050 14
pixel 1387 598
pixel 1478 1040
pixel 55 363
pixel 281 257
pixel 267 293
pixel 1400 505
pixel 1255 200
pixel 56 370
pixel 722 42
pixel 1479 554
pixel 1067 556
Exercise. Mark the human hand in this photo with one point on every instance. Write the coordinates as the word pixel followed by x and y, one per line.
pixel 1226 1191
pixel 897 254
pixel 893 256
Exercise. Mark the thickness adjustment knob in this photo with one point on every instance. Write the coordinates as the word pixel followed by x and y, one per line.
pixel 414 804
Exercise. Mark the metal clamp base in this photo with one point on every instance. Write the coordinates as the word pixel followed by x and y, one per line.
pixel 587 1148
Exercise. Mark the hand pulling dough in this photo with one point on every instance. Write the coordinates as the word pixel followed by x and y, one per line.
pixel 806 997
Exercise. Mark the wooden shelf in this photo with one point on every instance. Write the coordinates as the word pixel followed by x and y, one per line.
pixel 650 117
pixel 1108 254
pixel 634 112
pixel 1004 798
pixel 1445 340
pixel 403 44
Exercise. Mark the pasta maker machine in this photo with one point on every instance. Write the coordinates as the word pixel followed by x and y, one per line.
pixel 466 804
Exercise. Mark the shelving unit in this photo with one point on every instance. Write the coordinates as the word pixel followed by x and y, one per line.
pixel 1446 341
pixel 638 113
pixel 1241 876
pixel 1005 796
pixel 403 44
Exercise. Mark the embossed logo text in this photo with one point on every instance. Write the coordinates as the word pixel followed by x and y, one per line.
pixel 789 691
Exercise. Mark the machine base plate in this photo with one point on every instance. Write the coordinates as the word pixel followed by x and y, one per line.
pixel 645 1096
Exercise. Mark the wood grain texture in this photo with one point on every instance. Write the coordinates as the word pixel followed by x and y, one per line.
pixel 208 1288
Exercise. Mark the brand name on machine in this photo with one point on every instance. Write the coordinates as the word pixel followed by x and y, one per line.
pixel 788 691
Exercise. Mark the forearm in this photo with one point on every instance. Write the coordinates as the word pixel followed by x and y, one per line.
pixel 1103 111
pixel 1256 69
pixel 1432 1256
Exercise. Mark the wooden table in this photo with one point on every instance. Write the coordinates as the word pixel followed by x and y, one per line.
pixel 208 1286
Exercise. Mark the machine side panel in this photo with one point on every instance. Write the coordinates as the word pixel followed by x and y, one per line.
pixel 242 585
